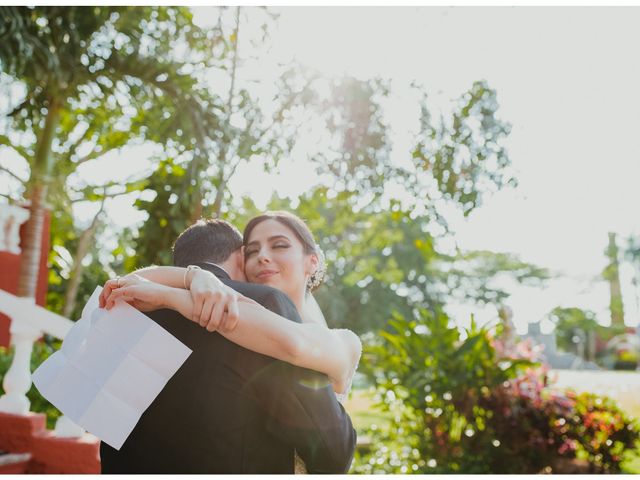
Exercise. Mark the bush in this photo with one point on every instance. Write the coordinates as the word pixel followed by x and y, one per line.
pixel 463 402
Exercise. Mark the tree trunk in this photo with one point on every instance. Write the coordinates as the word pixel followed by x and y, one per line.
pixel 76 274
pixel 217 204
pixel 31 251
pixel 196 206
pixel 613 276
pixel 222 183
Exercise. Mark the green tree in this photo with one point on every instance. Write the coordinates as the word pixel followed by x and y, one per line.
pixel 383 248
pixel 94 78
pixel 612 275
pixel 463 153
pixel 471 275
pixel 381 262
pixel 247 131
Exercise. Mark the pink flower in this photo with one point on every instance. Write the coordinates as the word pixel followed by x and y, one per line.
pixel 567 445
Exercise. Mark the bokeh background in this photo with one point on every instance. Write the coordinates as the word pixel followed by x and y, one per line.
pixel 470 174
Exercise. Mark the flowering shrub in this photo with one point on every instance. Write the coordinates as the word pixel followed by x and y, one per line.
pixel 603 430
pixel 465 402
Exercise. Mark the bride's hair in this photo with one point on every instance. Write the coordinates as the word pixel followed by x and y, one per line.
pixel 302 232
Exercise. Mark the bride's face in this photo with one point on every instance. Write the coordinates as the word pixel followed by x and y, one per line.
pixel 275 256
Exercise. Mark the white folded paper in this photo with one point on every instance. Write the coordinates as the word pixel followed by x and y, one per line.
pixel 111 366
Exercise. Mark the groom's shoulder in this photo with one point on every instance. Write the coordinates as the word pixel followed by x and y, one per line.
pixel 269 297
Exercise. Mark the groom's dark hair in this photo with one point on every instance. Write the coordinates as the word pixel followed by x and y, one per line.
pixel 210 240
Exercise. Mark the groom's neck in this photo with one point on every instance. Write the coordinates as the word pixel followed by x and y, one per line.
pixel 234 266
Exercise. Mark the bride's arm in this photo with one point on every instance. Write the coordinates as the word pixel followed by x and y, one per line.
pixel 165 275
pixel 178 277
pixel 312 346
pixel 215 305
pixel 307 345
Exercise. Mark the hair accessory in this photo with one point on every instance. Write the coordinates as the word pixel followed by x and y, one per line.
pixel 316 278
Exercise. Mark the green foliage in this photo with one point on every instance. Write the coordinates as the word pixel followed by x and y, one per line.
pixel 41 351
pixel 243 131
pixel 383 253
pixel 99 79
pixel 168 215
pixel 470 274
pixel 382 260
pixel 431 377
pixel 465 151
pixel 110 73
pixel 462 403
pixel 358 157
pixel 571 322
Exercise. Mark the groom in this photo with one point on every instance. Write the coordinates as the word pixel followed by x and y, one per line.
pixel 228 409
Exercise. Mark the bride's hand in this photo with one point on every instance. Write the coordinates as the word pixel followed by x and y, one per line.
pixel 136 291
pixel 114 283
pixel 215 305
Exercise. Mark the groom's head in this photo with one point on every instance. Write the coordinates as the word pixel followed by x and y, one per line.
pixel 213 240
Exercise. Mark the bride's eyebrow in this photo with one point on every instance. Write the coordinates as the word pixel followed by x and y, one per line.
pixel 270 239
pixel 277 237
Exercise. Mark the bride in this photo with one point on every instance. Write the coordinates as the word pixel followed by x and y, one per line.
pixel 279 251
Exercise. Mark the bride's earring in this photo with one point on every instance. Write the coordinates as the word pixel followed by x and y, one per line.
pixel 316 278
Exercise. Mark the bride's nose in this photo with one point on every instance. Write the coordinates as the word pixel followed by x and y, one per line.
pixel 263 257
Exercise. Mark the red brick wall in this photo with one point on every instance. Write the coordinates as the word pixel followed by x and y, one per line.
pixel 49 454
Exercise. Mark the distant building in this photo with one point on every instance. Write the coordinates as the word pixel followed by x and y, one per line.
pixel 551 355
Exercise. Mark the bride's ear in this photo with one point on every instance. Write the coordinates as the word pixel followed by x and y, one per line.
pixel 312 264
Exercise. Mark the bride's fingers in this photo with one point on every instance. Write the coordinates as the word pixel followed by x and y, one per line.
pixel 109 286
pixel 198 304
pixel 216 316
pixel 222 327
pixel 231 318
pixel 117 293
pixel 205 313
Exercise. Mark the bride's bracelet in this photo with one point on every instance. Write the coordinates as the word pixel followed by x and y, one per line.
pixel 186 272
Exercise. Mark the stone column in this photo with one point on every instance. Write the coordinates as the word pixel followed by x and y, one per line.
pixel 17 381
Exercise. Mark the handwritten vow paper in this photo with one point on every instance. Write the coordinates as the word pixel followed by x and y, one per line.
pixel 111 366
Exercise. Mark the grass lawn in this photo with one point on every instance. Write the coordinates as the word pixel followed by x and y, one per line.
pixel 362 413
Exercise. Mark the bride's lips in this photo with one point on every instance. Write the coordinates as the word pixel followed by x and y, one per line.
pixel 264 274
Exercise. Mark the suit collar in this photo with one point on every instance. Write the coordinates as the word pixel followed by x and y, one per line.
pixel 214 268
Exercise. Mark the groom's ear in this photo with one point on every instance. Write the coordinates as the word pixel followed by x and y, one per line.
pixel 240 258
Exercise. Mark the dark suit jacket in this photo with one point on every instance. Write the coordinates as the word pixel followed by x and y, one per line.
pixel 231 410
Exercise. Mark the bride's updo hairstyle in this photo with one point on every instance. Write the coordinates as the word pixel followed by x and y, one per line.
pixel 302 232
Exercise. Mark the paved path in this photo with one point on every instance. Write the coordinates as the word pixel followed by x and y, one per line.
pixel 622 386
